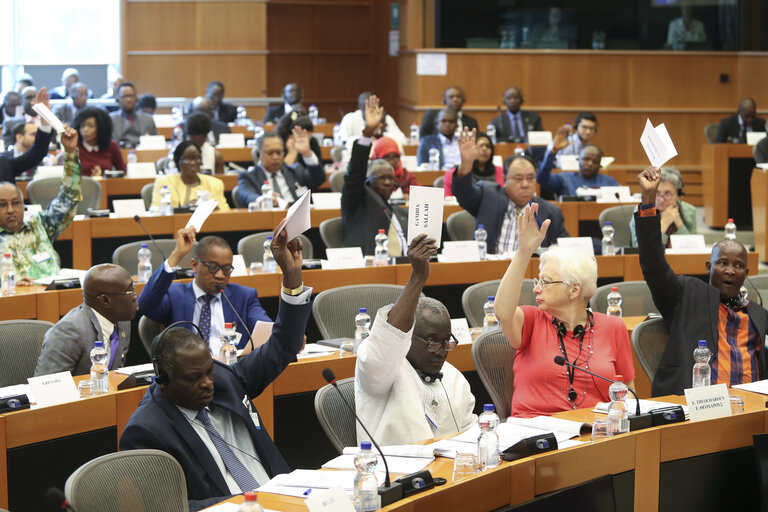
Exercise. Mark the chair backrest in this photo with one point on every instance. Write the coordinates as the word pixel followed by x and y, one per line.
pixel 757 289
pixel 460 225
pixel 336 181
pixel 619 217
pixel 649 339
pixel 146 194
pixel 334 416
pixel 336 153
pixel 334 310
pixel 148 329
pixel 494 358
pixel 127 255
pixel 474 298
pixel 162 163
pixel 439 182
pixel 710 132
pixel 636 299
pixel 21 341
pixel 252 247
pixel 332 232
pixel 43 191
pixel 235 200
pixel 134 478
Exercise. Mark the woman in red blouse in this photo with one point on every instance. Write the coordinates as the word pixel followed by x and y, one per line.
pixel 98 152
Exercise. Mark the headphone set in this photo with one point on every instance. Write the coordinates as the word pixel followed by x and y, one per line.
pixel 162 377
pixel 578 332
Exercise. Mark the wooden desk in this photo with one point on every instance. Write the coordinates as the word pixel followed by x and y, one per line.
pixel 715 165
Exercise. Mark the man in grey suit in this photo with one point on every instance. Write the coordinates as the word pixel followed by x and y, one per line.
pixel 79 95
pixel 128 124
pixel 108 307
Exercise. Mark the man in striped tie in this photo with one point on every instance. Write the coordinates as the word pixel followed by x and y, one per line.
pixel 200 411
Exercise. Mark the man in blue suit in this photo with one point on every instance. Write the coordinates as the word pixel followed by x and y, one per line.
pixel 445 141
pixel 200 301
pixel 200 410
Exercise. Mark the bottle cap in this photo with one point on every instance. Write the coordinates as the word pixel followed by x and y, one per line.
pixel 614 288
pixel 363 310
pixel 227 325
pixel 7 255
pixel 491 298
pixel 98 343
pixel 488 408
pixel 365 445
pixel 266 182
pixel 607 223
pixel 381 231
pixel 269 237
pixel 618 378
pixel 730 221
pixel 480 226
pixel 251 496
pixel 702 343
pixel 143 246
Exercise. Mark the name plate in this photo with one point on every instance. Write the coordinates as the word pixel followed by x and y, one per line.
pixel 54 389
pixel 464 250
pixel 332 500
pixel 708 402
pixel 425 213
pixel 577 243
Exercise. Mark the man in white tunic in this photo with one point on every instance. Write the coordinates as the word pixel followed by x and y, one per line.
pixel 404 389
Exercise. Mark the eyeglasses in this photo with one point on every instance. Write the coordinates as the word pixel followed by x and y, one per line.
pixel 215 267
pixel 129 291
pixel 542 283
pixel 519 178
pixel 436 346
pixel 197 161
pixel 666 195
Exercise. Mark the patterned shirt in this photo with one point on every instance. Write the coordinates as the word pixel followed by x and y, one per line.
pixel 737 347
pixel 32 245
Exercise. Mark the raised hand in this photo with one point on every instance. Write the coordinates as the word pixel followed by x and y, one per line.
pixel 185 241
pixel 561 138
pixel 529 234
pixel 43 97
pixel 420 250
pixel 288 256
pixel 469 151
pixel 69 139
pixel 301 139
pixel 373 115
pixel 649 180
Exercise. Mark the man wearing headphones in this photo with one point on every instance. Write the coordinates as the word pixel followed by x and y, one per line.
pixel 514 124
pixel 586 128
pixel 498 208
pixel 453 98
pixel 200 410
pixel 404 389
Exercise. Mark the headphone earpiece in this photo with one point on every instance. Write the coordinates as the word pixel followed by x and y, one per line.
pixel 160 376
pixel 578 331
pixel 370 179
pixel 559 327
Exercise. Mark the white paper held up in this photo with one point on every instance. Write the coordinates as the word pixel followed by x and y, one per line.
pixel 202 212
pixel 49 116
pixel 657 144
pixel 425 213
pixel 297 219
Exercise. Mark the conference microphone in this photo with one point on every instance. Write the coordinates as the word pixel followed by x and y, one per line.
pixel 389 493
pixel 56 499
pixel 138 221
pixel 220 289
pixel 638 421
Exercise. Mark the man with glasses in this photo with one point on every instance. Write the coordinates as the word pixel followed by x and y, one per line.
pixel 404 389
pixel 109 305
pixel 201 301
pixel 497 208
pixel 128 124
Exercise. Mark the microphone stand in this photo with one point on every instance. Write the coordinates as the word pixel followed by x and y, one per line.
pixel 220 289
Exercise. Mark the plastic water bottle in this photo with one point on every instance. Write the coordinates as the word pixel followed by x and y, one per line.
pixel 178 136
pixel 413 138
pixel 362 326
pixel 743 293
pixel 730 230
pixel 7 275
pixel 265 199
pixel 488 443
pixel 337 141
pixel 131 158
pixel 99 370
pixel 481 235
pixel 145 264
pixel 614 302
pixel 170 167
pixel 366 487
pixel 229 339
pixel 268 263
pixel 490 130
pixel 608 248
pixel 489 320
pixel 381 252
pixel 434 159
pixel 251 503
pixel 618 413
pixel 701 369
pixel 313 113
pixel 166 208
pixel 519 151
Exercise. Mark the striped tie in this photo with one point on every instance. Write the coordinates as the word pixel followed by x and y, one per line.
pixel 205 317
pixel 239 472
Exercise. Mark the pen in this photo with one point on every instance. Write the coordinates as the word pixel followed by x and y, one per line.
pixel 306 493
pixel 535 215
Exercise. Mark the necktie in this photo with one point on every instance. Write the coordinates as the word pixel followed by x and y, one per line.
pixel 114 342
pixel 205 317
pixel 519 124
pixel 239 472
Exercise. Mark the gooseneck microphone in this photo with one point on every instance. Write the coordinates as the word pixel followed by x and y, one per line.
pixel 56 499
pixel 138 221
pixel 638 421
pixel 220 289
pixel 388 492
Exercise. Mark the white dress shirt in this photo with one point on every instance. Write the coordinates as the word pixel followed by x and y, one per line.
pixel 451 153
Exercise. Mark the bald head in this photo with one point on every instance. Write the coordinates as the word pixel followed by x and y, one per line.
pixel 203 104
pixel 747 110
pixel 108 289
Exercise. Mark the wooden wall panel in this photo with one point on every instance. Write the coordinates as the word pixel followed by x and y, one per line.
pixel 319 27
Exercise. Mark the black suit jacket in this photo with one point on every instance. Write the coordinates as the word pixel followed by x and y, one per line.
pixel 227 112
pixel 488 202
pixel 531 123
pixel 429 122
pixel 12 167
pixel 363 211
pixel 730 128
pixel 158 423
pixel 249 183
pixel 274 113
pixel 690 310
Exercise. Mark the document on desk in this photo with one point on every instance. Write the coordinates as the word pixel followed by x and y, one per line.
pixel 760 386
pixel 645 406
pixel 297 219
pixel 399 465
pixel 425 212
pixel 66 273
pixel 516 429
pixel 303 482
pixel 657 144
pixel 202 212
